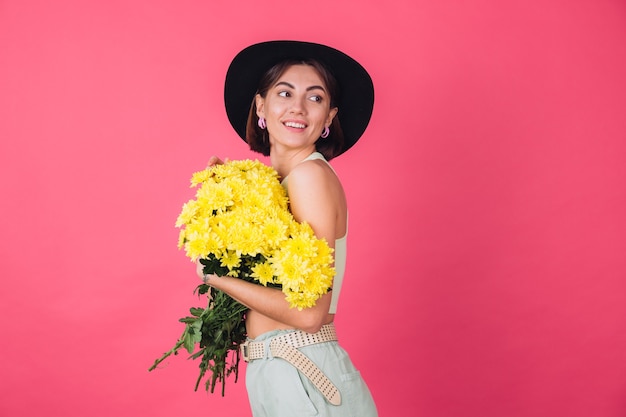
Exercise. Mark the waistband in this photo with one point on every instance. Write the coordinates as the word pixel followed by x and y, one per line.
pixel 286 347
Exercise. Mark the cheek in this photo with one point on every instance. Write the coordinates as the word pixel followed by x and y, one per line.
pixel 274 110
pixel 322 116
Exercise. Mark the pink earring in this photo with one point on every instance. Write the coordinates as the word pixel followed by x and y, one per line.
pixel 262 123
pixel 326 132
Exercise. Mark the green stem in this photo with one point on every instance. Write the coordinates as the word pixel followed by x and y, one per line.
pixel 217 331
pixel 170 352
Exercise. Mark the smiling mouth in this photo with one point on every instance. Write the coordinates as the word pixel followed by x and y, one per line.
pixel 296 125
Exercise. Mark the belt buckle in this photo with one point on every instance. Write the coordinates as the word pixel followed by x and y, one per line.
pixel 243 348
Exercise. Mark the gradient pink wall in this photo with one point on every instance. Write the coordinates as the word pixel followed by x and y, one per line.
pixel 488 200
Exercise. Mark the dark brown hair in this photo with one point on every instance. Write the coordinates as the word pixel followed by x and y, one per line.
pixel 258 138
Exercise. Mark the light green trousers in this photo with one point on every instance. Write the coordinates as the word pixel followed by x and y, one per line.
pixel 277 389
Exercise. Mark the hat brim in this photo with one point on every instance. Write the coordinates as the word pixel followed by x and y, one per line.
pixel 356 90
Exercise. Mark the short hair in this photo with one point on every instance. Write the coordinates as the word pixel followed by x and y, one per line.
pixel 258 139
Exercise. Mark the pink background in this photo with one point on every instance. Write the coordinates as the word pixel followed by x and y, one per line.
pixel 487 265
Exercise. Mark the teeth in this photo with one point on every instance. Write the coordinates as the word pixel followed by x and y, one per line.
pixel 296 125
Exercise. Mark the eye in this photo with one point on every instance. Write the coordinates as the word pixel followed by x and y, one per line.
pixel 316 98
pixel 284 93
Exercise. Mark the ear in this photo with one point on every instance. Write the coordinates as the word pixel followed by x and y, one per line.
pixel 260 105
pixel 331 115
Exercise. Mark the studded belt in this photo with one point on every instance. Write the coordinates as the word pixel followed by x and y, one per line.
pixel 286 347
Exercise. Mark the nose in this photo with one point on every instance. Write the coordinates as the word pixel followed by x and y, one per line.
pixel 297 106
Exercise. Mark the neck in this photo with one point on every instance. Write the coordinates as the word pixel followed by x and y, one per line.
pixel 284 162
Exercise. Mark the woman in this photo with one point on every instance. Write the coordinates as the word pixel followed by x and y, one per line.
pixel 283 98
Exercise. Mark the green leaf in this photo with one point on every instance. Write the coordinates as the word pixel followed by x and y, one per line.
pixel 197 312
pixel 188 320
pixel 202 289
pixel 188 343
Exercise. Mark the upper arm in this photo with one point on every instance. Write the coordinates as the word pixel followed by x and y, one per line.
pixel 315 197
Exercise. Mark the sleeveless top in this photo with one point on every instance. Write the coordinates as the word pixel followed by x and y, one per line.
pixel 340 247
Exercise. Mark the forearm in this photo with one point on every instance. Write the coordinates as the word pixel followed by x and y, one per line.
pixel 271 302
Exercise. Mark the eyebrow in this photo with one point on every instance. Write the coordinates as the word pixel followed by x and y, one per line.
pixel 313 87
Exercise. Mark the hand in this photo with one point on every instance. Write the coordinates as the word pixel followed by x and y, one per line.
pixel 199 271
pixel 214 160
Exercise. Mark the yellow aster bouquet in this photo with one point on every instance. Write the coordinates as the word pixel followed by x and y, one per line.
pixel 239 225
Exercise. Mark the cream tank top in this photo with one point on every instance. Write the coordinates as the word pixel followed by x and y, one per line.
pixel 340 247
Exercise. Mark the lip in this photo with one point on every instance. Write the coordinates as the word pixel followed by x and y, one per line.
pixel 295 124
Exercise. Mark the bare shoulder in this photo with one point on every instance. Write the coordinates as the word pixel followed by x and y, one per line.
pixel 313 184
pixel 314 173
pixel 317 197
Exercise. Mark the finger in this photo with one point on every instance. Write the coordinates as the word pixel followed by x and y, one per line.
pixel 214 160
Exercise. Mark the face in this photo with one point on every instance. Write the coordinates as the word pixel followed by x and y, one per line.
pixel 296 108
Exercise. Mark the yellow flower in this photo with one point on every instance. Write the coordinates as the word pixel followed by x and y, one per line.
pixel 230 260
pixel 247 241
pixel 324 253
pixel 274 231
pixel 189 211
pixel 195 245
pixel 301 246
pixel 200 177
pixel 290 269
pixel 300 300
pixel 217 196
pixel 263 272
pixel 181 239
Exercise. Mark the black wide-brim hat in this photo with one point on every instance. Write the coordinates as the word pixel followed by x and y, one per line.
pixel 356 91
